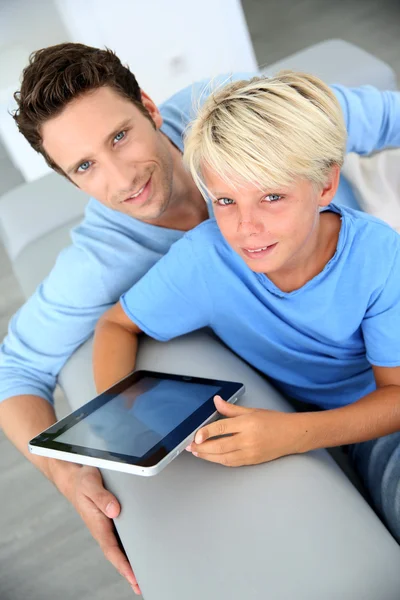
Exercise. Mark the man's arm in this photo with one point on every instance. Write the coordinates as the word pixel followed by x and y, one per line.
pixel 22 418
pixel 115 347
pixel 372 118
pixel 43 334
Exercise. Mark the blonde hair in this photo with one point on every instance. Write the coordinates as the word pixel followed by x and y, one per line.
pixel 268 132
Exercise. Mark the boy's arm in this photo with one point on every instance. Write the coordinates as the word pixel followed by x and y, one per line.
pixel 253 436
pixel 169 300
pixel 115 347
pixel 265 435
pixel 378 413
pixel 375 415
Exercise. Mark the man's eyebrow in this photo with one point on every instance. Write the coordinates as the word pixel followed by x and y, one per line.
pixel 118 128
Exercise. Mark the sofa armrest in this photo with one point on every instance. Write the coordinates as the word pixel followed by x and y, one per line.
pixel 293 528
pixel 32 210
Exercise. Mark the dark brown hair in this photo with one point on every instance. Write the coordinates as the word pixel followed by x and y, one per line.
pixel 58 74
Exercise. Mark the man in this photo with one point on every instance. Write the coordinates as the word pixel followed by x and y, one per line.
pixel 85 113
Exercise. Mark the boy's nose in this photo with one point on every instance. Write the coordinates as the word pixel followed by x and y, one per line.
pixel 250 225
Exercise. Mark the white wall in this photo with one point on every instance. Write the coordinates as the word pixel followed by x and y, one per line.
pixel 25 25
pixel 30 24
pixel 168 44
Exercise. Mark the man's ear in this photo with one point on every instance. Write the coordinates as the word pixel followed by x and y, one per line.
pixel 330 186
pixel 152 109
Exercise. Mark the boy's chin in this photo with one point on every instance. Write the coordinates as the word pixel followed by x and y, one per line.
pixel 258 268
pixel 260 265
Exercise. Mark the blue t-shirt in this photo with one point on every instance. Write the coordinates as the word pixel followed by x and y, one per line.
pixel 110 251
pixel 316 343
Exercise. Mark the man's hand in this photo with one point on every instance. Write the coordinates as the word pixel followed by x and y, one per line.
pixel 253 436
pixel 97 507
pixel 22 418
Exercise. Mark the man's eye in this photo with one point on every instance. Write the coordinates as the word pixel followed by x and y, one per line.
pixel 84 166
pixel 273 197
pixel 120 136
pixel 224 201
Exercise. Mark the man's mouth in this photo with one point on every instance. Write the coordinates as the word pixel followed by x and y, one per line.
pixel 141 194
pixel 259 252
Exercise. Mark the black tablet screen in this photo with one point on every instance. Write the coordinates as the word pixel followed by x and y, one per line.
pixel 137 419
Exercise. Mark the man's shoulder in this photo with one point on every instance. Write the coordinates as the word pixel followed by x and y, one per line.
pixel 202 88
pixel 104 229
pixel 181 108
pixel 108 253
pixel 76 279
pixel 207 232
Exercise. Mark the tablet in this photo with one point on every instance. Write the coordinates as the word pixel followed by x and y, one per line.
pixel 138 425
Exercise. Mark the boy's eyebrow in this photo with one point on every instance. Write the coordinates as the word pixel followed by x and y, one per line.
pixel 279 189
pixel 218 194
pixel 118 128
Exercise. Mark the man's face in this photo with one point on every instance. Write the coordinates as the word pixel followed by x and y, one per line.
pixel 111 151
pixel 271 230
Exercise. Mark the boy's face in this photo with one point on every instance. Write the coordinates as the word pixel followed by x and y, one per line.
pixel 111 151
pixel 271 230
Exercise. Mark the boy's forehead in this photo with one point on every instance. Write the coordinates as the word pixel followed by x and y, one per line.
pixel 220 184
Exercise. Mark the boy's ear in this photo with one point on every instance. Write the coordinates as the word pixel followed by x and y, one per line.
pixel 330 186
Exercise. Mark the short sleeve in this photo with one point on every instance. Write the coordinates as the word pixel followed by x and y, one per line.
pixel 172 298
pixel 381 324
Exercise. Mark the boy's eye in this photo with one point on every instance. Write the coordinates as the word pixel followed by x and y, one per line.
pixel 119 136
pixel 84 166
pixel 224 201
pixel 272 197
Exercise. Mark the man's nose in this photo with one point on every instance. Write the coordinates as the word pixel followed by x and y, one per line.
pixel 121 176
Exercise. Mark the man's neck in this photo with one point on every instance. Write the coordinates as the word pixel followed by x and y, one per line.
pixel 187 207
pixel 186 210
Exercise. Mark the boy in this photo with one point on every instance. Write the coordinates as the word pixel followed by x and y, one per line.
pixel 305 291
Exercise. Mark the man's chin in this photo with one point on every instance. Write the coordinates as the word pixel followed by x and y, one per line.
pixel 148 214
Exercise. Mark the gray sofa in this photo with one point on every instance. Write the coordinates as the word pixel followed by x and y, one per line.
pixel 295 528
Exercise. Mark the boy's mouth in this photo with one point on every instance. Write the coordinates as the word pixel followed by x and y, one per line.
pixel 259 252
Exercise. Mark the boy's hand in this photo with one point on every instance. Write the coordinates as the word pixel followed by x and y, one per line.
pixel 253 436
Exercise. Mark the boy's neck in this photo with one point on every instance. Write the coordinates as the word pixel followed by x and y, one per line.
pixel 319 252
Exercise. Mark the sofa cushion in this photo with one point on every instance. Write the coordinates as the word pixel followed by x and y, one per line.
pixel 32 210
pixel 34 262
pixel 337 61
